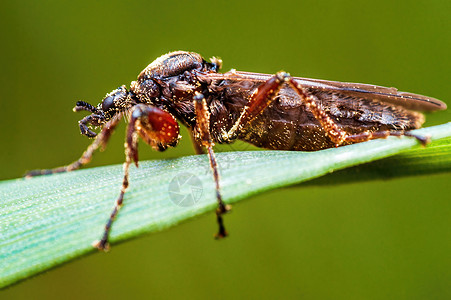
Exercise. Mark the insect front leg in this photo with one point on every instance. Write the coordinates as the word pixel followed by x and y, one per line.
pixel 83 124
pixel 157 128
pixel 100 141
pixel 202 132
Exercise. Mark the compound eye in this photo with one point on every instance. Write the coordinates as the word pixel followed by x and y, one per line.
pixel 108 103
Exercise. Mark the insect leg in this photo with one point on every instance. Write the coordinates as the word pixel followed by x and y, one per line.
pixel 132 140
pixel 263 96
pixel 92 119
pixel 367 135
pixel 337 135
pixel 157 128
pixel 202 131
pixel 197 146
pixel 100 141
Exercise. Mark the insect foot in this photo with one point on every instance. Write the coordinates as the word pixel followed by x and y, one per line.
pixel 424 140
pixel 222 209
pixel 102 245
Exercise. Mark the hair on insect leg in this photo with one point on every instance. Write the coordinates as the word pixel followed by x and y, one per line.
pixel 259 101
pixel 196 145
pixel 202 133
pixel 382 134
pixel 157 128
pixel 132 140
pixel 84 129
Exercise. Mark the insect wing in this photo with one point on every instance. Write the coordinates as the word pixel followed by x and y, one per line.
pixel 357 90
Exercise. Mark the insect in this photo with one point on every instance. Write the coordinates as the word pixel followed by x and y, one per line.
pixel 276 112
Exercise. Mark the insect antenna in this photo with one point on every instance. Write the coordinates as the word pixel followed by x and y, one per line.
pixel 81 105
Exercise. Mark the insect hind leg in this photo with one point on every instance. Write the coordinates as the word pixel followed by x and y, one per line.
pixel 367 135
pixel 338 135
pixel 266 94
pixel 262 98
pixel 100 141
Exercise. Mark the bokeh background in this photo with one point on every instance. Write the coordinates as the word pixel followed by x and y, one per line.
pixel 375 240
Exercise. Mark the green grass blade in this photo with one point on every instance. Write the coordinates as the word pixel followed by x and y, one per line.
pixel 434 159
pixel 46 221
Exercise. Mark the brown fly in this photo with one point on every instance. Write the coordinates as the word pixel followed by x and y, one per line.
pixel 276 112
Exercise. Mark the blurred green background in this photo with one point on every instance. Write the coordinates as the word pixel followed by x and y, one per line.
pixel 376 240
